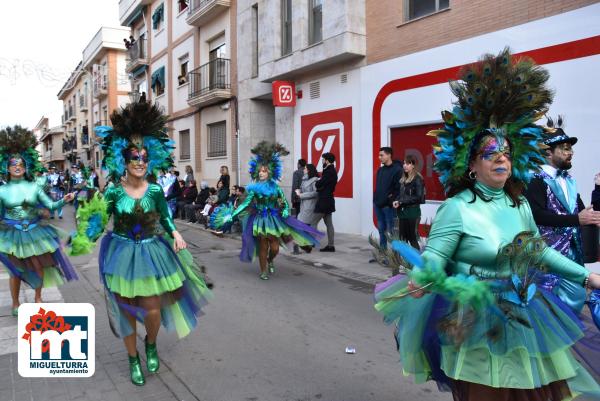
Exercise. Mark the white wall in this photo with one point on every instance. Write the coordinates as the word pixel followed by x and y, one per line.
pixel 159 37
pixel 179 25
pixel 162 99
pixel 123 83
pixel 180 93
pixel 335 95
pixel 575 91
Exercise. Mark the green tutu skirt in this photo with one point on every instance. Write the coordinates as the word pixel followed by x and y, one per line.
pixel 131 270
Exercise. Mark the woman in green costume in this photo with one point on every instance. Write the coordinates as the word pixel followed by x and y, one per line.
pixel 29 247
pixel 470 315
pixel 265 213
pixel 147 276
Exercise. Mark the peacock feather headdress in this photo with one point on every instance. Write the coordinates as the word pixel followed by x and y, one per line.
pixel 502 96
pixel 140 125
pixel 19 142
pixel 267 154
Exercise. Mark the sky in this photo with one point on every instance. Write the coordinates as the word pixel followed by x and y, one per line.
pixel 41 42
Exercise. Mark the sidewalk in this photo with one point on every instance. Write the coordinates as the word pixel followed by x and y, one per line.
pixel 352 255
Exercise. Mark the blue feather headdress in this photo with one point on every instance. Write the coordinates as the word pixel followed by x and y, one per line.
pixel 137 125
pixel 19 142
pixel 267 154
pixel 497 96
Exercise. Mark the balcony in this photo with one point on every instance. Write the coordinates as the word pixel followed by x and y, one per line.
pixel 202 11
pixel 72 116
pixel 83 107
pixel 137 55
pixel 209 83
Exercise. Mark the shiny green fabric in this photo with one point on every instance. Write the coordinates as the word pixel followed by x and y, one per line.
pixel 120 204
pixel 19 200
pixel 465 237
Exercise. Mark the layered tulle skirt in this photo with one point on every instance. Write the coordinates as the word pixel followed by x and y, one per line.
pixel 31 251
pixel 270 223
pixel 506 346
pixel 150 267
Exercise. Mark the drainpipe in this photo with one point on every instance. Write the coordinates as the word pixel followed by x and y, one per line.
pixel 237 138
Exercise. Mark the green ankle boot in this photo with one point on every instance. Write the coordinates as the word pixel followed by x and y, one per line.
pixel 271 267
pixel 152 362
pixel 135 369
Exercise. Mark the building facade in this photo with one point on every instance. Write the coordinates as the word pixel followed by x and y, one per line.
pixel 183 57
pixel 96 87
pixel 394 94
pixel 306 42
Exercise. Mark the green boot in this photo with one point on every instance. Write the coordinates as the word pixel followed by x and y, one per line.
pixel 152 362
pixel 135 369
pixel 264 276
pixel 15 311
pixel 271 267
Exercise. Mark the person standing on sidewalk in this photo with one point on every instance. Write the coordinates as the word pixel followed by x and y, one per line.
pixel 265 213
pixel 386 191
pixel 296 182
pixel 596 193
pixel 147 277
pixel 57 188
pixel 408 202
pixel 559 211
pixel 307 193
pixel 29 248
pixel 325 206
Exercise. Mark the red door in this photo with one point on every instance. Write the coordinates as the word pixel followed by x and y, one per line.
pixel 413 140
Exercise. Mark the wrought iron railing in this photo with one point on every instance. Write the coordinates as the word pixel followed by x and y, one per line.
pixel 136 51
pixel 211 76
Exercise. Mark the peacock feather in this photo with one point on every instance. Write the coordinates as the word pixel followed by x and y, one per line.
pixel 143 125
pixel 267 154
pixel 22 142
pixel 499 95
pixel 92 218
pixel 220 218
pixel 138 225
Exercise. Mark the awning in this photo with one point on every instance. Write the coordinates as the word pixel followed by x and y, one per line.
pixel 158 76
pixel 158 15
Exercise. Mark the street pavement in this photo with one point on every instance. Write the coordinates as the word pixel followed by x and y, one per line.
pixel 277 340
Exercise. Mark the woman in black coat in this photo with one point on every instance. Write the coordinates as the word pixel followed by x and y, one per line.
pixel 325 201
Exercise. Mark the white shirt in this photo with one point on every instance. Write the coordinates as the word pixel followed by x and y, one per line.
pixel 551 171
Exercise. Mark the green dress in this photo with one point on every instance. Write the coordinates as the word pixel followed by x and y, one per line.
pixel 522 344
pixel 137 260
pixel 30 248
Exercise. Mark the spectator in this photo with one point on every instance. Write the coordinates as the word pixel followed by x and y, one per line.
pixel 189 195
pixel 408 201
pixel 225 177
pixel 189 175
pixel 211 202
pixel 222 193
pixel 241 196
pixel 296 182
pixel 386 190
pixel 307 193
pixel 325 206
pixel 94 178
pixel 198 204
pixel 234 195
pixel 174 195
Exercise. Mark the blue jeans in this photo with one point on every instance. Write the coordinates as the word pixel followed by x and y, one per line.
pixel 385 223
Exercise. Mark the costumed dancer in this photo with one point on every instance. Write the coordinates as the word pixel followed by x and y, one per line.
pixel 147 276
pixel 30 248
pixel 56 184
pixel 265 213
pixel 78 185
pixel 470 315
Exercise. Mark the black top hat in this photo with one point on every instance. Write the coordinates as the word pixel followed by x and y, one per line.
pixel 554 133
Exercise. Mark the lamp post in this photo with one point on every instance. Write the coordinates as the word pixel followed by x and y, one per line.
pixel 134 96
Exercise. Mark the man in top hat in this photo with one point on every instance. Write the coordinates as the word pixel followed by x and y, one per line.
pixel 559 211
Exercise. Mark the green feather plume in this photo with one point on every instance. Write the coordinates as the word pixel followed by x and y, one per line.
pixel 84 241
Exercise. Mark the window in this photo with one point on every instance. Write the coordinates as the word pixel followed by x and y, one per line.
pixel 182 5
pixel 286 27
pixel 158 17
pixel 184 145
pixel 183 70
pixel 315 21
pixel 218 67
pixel 420 8
pixel 217 140
pixel 158 81
pixel 254 40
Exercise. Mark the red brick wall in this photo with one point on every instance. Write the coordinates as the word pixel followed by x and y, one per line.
pixel 388 36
